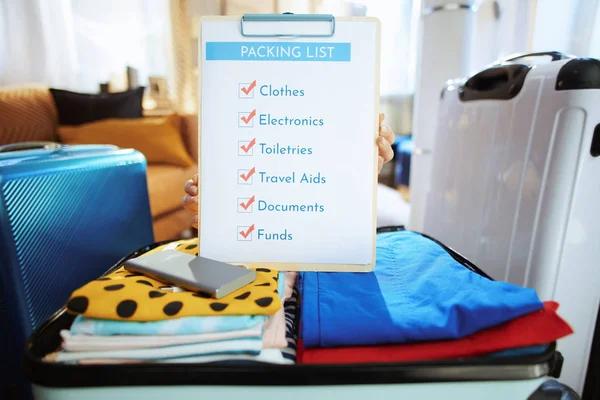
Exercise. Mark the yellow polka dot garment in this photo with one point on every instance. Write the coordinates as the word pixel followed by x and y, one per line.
pixel 125 296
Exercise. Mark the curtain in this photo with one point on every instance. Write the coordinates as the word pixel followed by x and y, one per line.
pixel 399 36
pixel 78 44
pixel 184 81
pixel 38 40
pixel 399 19
pixel 502 28
pixel 569 26
pixel 506 27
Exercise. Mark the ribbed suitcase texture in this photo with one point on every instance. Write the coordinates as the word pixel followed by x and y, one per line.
pixel 65 214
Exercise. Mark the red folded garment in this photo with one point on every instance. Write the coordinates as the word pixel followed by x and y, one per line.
pixel 540 327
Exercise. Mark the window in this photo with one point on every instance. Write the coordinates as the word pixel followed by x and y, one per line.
pixel 78 44
pixel 399 22
pixel 112 34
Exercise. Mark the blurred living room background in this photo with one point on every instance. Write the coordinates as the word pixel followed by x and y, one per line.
pixel 116 46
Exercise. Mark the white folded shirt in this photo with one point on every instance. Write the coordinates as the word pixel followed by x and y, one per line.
pixel 224 347
pixel 272 356
pixel 79 343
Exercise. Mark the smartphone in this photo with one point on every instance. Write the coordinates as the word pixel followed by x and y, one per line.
pixel 192 273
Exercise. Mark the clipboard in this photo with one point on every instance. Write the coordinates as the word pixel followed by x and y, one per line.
pixel 321 240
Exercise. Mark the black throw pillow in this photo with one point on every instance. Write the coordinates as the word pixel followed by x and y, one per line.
pixel 80 108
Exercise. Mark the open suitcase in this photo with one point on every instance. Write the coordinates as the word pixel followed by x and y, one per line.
pixel 510 377
pixel 514 186
pixel 66 212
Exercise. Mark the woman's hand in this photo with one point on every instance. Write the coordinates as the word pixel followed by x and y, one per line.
pixel 384 143
pixel 190 200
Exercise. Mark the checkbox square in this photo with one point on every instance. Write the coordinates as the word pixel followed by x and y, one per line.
pixel 249 180
pixel 245 148
pixel 244 234
pixel 243 88
pixel 245 205
pixel 246 119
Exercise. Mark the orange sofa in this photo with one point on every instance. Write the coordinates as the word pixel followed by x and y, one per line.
pixel 29 114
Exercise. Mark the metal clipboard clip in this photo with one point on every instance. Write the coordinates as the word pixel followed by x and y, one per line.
pixel 283 25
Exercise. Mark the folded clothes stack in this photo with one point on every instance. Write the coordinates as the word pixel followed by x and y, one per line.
pixel 129 318
pixel 419 304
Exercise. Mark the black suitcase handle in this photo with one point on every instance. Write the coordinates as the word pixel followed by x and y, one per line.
pixel 504 79
pixel 555 55
pixel 500 82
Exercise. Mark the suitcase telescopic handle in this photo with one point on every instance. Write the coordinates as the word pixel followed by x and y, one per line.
pixel 555 55
pixel 30 146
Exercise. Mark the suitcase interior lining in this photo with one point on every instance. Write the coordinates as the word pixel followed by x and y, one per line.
pixel 53 374
pixel 47 339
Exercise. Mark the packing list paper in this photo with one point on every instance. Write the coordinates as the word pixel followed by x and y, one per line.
pixel 288 125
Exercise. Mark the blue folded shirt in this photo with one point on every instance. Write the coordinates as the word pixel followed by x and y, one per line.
pixel 521 351
pixel 417 292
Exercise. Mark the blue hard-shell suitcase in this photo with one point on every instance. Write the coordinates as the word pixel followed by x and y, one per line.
pixel 66 212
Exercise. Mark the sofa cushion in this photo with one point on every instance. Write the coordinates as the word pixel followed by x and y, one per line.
pixel 80 108
pixel 172 225
pixel 189 134
pixel 157 138
pixel 26 114
pixel 165 186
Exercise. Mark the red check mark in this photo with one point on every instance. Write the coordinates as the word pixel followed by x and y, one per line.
pixel 247 204
pixel 247 176
pixel 247 233
pixel 249 88
pixel 249 117
pixel 247 147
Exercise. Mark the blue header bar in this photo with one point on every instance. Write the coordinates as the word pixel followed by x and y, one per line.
pixel 277 51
